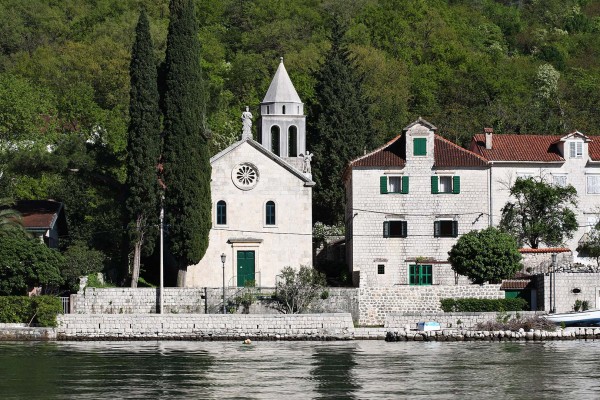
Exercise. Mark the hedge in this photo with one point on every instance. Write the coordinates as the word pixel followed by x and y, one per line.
pixel 40 310
pixel 483 305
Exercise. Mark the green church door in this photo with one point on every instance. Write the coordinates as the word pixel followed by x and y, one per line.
pixel 245 268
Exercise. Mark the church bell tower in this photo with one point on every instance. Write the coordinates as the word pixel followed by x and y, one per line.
pixel 282 126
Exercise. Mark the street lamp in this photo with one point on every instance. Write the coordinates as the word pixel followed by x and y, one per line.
pixel 553 283
pixel 223 257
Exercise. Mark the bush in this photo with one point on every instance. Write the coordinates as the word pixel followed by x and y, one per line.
pixel 483 305
pixel 487 255
pixel 298 289
pixel 535 322
pixel 41 310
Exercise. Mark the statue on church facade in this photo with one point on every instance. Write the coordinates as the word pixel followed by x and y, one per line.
pixel 307 159
pixel 246 123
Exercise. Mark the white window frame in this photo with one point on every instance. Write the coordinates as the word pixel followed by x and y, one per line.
pixel 395 178
pixel 596 186
pixel 557 178
pixel 448 186
pixel 576 149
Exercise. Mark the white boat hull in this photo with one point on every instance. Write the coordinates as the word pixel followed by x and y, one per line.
pixel 590 317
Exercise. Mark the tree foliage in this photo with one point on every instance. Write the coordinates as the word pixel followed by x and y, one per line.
pixel 187 168
pixel 590 247
pixel 143 147
pixel 80 260
pixel 296 290
pixel 486 255
pixel 341 127
pixel 27 262
pixel 540 213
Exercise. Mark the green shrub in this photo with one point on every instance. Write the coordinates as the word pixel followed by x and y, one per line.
pixel 483 305
pixel 41 310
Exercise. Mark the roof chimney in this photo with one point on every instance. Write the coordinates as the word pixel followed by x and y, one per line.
pixel 489 132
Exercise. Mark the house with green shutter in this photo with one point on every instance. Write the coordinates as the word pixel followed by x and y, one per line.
pixel 407 203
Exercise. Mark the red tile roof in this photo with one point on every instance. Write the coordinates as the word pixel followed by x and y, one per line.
pixel 508 284
pixel 509 147
pixel 513 147
pixel 38 214
pixel 391 154
pixel 446 154
pixel 545 250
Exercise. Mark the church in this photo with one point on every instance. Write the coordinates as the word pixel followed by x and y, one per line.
pixel 262 197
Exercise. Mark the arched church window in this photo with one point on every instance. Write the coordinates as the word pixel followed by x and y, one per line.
pixel 270 213
pixel 275 139
pixel 221 213
pixel 259 134
pixel 292 141
pixel 268 110
pixel 283 109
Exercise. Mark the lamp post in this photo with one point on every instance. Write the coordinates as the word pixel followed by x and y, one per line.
pixel 553 283
pixel 223 257
pixel 162 282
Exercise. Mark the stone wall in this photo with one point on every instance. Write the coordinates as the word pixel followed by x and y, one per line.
pixel 569 288
pixel 376 303
pixel 198 301
pixel 448 320
pixel 203 327
pixel 539 263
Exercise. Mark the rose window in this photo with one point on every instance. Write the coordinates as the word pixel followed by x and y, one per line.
pixel 245 176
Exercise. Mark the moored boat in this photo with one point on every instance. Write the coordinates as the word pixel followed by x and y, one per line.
pixel 589 317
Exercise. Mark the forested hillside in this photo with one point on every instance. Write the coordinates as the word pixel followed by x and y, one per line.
pixel 515 65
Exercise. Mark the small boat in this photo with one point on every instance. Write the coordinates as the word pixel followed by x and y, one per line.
pixel 428 326
pixel 589 317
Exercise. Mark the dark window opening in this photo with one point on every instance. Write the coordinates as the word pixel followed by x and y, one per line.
pixel 445 228
pixel 221 213
pixel 381 269
pixel 395 229
pixel 275 139
pixel 293 141
pixel 270 213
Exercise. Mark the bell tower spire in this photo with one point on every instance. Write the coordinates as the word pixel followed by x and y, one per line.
pixel 282 121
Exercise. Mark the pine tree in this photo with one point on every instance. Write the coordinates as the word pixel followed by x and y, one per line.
pixel 341 128
pixel 143 147
pixel 186 158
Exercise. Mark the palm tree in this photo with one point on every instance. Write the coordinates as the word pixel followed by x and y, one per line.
pixel 10 219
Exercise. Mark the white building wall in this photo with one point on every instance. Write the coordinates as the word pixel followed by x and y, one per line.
pixel 576 171
pixel 288 243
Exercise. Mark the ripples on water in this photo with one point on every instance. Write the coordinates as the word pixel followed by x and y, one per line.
pixel 298 370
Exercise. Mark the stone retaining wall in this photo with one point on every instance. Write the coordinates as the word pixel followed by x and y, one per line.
pixel 203 326
pixel 24 332
pixel 376 303
pixel 569 288
pixel 454 335
pixel 456 320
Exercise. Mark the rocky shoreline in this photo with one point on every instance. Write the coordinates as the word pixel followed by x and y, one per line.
pixel 403 335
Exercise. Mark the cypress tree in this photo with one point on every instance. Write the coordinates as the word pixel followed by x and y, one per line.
pixel 187 167
pixel 143 147
pixel 341 127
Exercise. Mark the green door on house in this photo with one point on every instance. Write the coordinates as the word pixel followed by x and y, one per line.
pixel 245 268
pixel 420 275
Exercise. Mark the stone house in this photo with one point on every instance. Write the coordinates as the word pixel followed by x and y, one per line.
pixel 572 159
pixel 407 202
pixel 44 219
pixel 262 197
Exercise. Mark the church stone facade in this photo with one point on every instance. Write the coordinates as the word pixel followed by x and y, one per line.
pixel 262 197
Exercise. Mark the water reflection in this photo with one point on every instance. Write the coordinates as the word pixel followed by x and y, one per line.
pixel 332 371
pixel 299 370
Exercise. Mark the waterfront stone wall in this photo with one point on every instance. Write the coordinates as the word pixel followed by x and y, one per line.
pixel 199 301
pixel 570 287
pixel 467 320
pixel 203 326
pixel 376 303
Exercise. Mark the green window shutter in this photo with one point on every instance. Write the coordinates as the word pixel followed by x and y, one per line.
pixel 434 185
pixel 386 229
pixel 456 184
pixel 404 230
pixel 420 146
pixel 454 228
pixel 436 229
pixel 383 184
pixel 404 185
